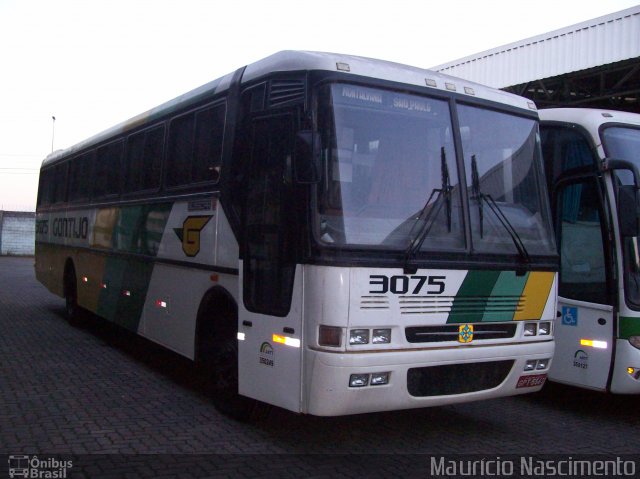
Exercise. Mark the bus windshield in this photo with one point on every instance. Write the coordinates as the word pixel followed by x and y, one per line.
pixel 391 178
pixel 624 143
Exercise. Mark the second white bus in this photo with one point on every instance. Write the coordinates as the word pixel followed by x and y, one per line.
pixel 592 159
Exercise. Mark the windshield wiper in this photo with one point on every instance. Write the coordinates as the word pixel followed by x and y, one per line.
pixel 475 192
pixel 425 214
pixel 495 208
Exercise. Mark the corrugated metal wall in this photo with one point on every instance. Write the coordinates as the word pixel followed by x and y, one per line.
pixel 17 233
pixel 600 41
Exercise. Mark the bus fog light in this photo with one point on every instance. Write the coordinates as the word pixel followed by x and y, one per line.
pixel 358 380
pixel 378 379
pixel 544 329
pixel 329 336
pixel 530 329
pixel 359 336
pixel 381 336
pixel 542 364
pixel 635 341
pixel 530 365
pixel 634 372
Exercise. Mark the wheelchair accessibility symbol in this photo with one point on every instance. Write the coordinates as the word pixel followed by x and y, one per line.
pixel 569 316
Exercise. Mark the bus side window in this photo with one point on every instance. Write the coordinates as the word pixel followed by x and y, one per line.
pixel 144 157
pixel 108 169
pixel 195 147
pixel 59 193
pixel 180 150
pixel 564 149
pixel 45 189
pixel 583 271
pixel 208 144
pixel 80 171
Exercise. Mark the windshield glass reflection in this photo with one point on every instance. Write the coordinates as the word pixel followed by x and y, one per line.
pixel 503 173
pixel 386 155
pixel 391 179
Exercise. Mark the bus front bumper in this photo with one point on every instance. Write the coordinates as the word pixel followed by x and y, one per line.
pixel 353 383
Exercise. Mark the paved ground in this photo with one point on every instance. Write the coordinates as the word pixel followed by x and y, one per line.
pixel 118 406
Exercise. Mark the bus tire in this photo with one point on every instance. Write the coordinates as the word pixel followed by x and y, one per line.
pixel 219 370
pixel 73 312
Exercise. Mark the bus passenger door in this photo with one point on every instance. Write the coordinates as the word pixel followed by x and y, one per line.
pixel 584 332
pixel 270 310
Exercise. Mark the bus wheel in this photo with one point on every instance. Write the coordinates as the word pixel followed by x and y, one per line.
pixel 223 377
pixel 72 310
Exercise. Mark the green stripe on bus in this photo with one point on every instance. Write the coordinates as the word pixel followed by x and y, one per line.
pixel 470 302
pixel 505 296
pixel 125 285
pixel 126 279
pixel 629 326
pixel 140 228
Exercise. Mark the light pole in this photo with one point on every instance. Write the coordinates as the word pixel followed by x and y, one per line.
pixel 53 132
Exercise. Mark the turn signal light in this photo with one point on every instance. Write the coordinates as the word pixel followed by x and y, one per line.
pixel 329 336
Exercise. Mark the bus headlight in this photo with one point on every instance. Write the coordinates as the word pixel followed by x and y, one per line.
pixel 379 379
pixel 359 336
pixel 381 336
pixel 539 364
pixel 544 328
pixel 635 341
pixel 364 380
pixel 358 380
pixel 530 329
pixel 542 364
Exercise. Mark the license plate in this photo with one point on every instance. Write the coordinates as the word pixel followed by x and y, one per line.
pixel 531 381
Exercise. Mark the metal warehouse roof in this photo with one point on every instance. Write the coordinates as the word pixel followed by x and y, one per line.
pixel 607 39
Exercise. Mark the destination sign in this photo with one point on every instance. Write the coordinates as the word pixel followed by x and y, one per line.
pixel 385 100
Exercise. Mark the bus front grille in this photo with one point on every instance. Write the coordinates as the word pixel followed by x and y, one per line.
pixel 461 305
pixel 457 378
pixel 449 332
pixel 470 305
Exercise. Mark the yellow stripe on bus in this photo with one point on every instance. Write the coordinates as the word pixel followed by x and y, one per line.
pixel 535 295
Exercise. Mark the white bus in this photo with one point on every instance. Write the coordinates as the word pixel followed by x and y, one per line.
pixel 325 233
pixel 592 159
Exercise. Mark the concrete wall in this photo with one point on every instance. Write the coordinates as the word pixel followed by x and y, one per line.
pixel 17 232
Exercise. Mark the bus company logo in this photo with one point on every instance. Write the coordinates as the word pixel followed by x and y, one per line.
pixel 77 228
pixel 266 354
pixel 189 234
pixel 581 359
pixel 465 333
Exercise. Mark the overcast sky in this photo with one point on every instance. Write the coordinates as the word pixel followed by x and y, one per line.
pixel 95 63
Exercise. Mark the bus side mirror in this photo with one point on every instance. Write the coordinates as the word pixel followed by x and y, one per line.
pixel 628 201
pixel 305 157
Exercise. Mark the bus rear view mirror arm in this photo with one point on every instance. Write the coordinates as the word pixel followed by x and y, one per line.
pixel 628 201
pixel 609 164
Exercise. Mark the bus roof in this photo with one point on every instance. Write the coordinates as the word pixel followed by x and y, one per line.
pixel 590 118
pixel 302 60
pixel 289 60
